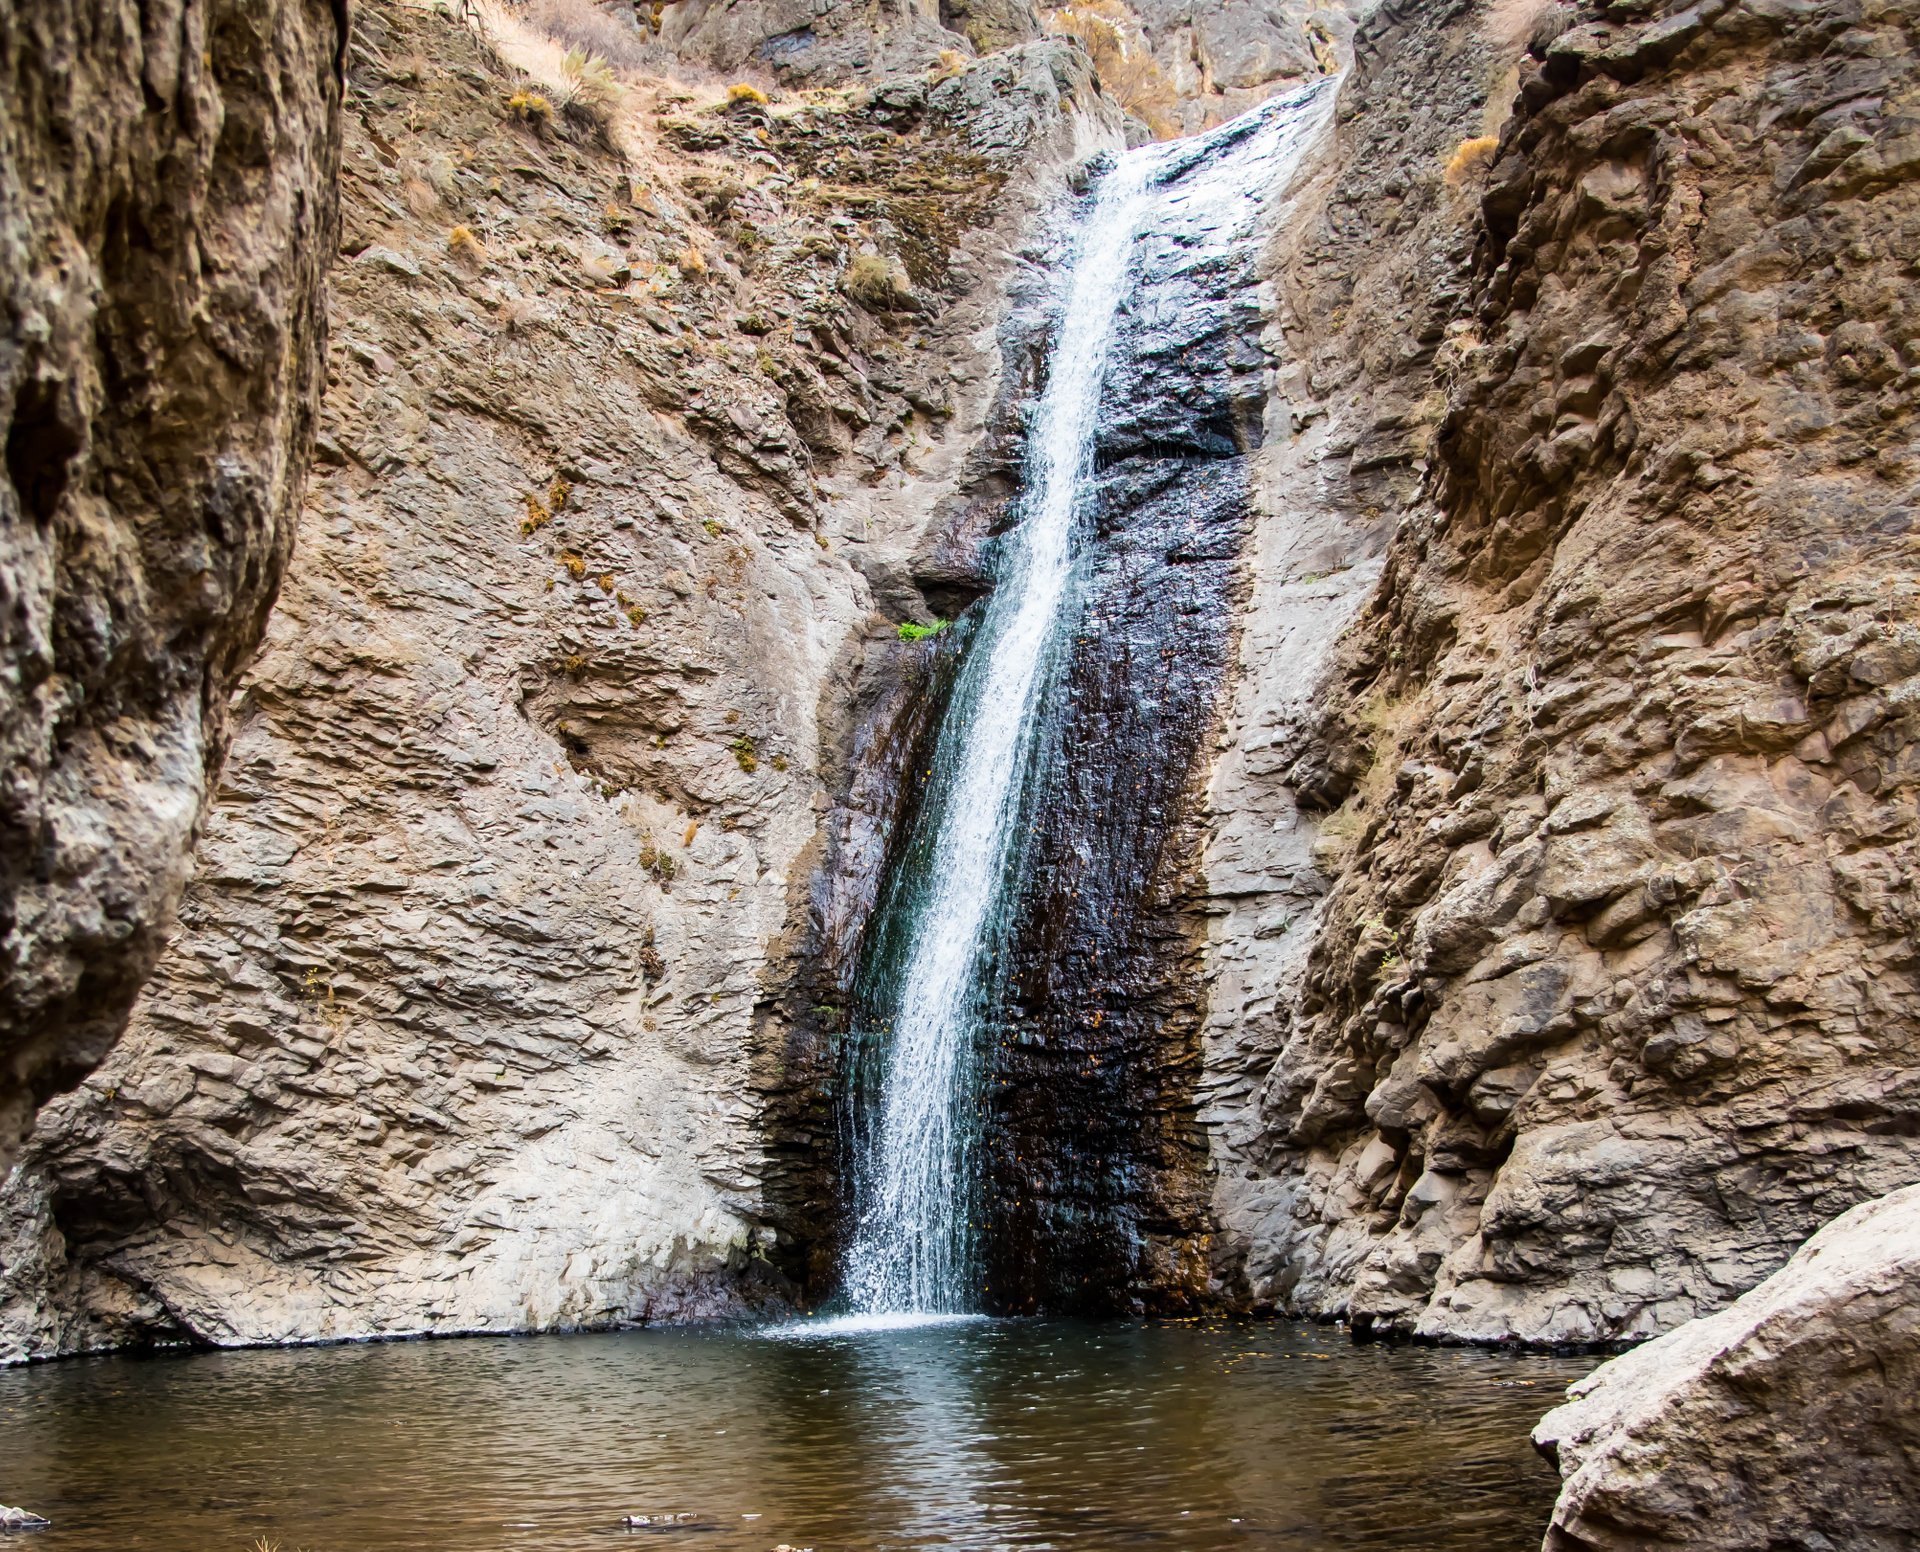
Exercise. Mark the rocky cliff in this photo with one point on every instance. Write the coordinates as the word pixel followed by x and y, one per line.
pixel 1610 1000
pixel 166 211
pixel 1515 937
pixel 472 1021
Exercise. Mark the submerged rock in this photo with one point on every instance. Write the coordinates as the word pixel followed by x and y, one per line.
pixel 20 1519
pixel 1785 1421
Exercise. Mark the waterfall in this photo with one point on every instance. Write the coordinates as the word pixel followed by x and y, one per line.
pixel 915 1175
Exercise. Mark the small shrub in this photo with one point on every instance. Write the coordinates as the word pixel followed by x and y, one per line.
pixel 744 92
pixel 537 516
pixel 870 281
pixel 1117 43
pixel 636 616
pixel 746 754
pixel 712 526
pixel 574 663
pixel 691 262
pixel 657 862
pixel 615 222
pixel 559 492
pixel 576 564
pixel 605 579
pixel 462 244
pixel 531 108
pixel 952 62
pixel 1471 158
pixel 912 632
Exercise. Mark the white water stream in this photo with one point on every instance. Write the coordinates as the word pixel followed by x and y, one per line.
pixel 912 1247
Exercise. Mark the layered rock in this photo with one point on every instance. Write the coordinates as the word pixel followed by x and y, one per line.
pixel 475 1021
pixel 1220 57
pixel 166 212
pixel 815 41
pixel 1785 1420
pixel 1612 1000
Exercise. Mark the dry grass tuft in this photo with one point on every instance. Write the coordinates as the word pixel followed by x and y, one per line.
pixel 744 92
pixel 691 262
pixel 582 26
pixel 1117 43
pixel 877 284
pixel 1470 159
pixel 463 245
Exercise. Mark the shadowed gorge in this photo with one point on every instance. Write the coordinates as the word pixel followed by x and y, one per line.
pixel 989 696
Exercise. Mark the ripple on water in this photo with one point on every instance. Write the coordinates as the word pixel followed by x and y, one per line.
pixel 969 1434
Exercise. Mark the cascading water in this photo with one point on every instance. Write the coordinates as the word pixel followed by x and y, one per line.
pixel 915 1176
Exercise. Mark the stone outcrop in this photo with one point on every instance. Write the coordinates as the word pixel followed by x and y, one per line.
pixel 166 212
pixel 811 42
pixel 1612 998
pixel 1220 57
pixel 475 1019
pixel 1786 1420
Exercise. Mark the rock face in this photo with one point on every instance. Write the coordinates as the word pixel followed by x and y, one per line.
pixel 1786 1420
pixel 1222 56
pixel 814 41
pixel 166 211
pixel 473 1023
pixel 1612 999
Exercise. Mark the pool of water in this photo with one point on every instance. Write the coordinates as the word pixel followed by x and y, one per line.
pixel 983 1436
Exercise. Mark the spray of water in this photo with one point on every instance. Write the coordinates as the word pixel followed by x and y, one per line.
pixel 914 1167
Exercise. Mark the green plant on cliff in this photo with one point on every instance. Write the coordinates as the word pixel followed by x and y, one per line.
pixel 909 631
pixel 746 754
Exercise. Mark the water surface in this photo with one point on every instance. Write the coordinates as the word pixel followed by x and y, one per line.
pixel 983 1436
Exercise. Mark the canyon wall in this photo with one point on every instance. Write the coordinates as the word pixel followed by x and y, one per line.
pixel 167 196
pixel 1610 1000
pixel 474 1019
pixel 1514 939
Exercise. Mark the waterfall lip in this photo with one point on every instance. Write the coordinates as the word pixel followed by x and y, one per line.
pixel 1174 159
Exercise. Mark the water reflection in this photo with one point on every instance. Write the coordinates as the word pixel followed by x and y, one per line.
pixel 983 1437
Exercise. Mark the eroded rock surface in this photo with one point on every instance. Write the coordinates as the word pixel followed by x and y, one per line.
pixel 166 214
pixel 1785 1420
pixel 1613 999
pixel 474 1020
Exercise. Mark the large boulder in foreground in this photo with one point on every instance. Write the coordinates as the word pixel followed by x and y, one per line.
pixel 167 188
pixel 1785 1421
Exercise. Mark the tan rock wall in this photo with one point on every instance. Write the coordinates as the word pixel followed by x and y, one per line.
pixel 472 1017
pixel 1613 998
pixel 166 211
